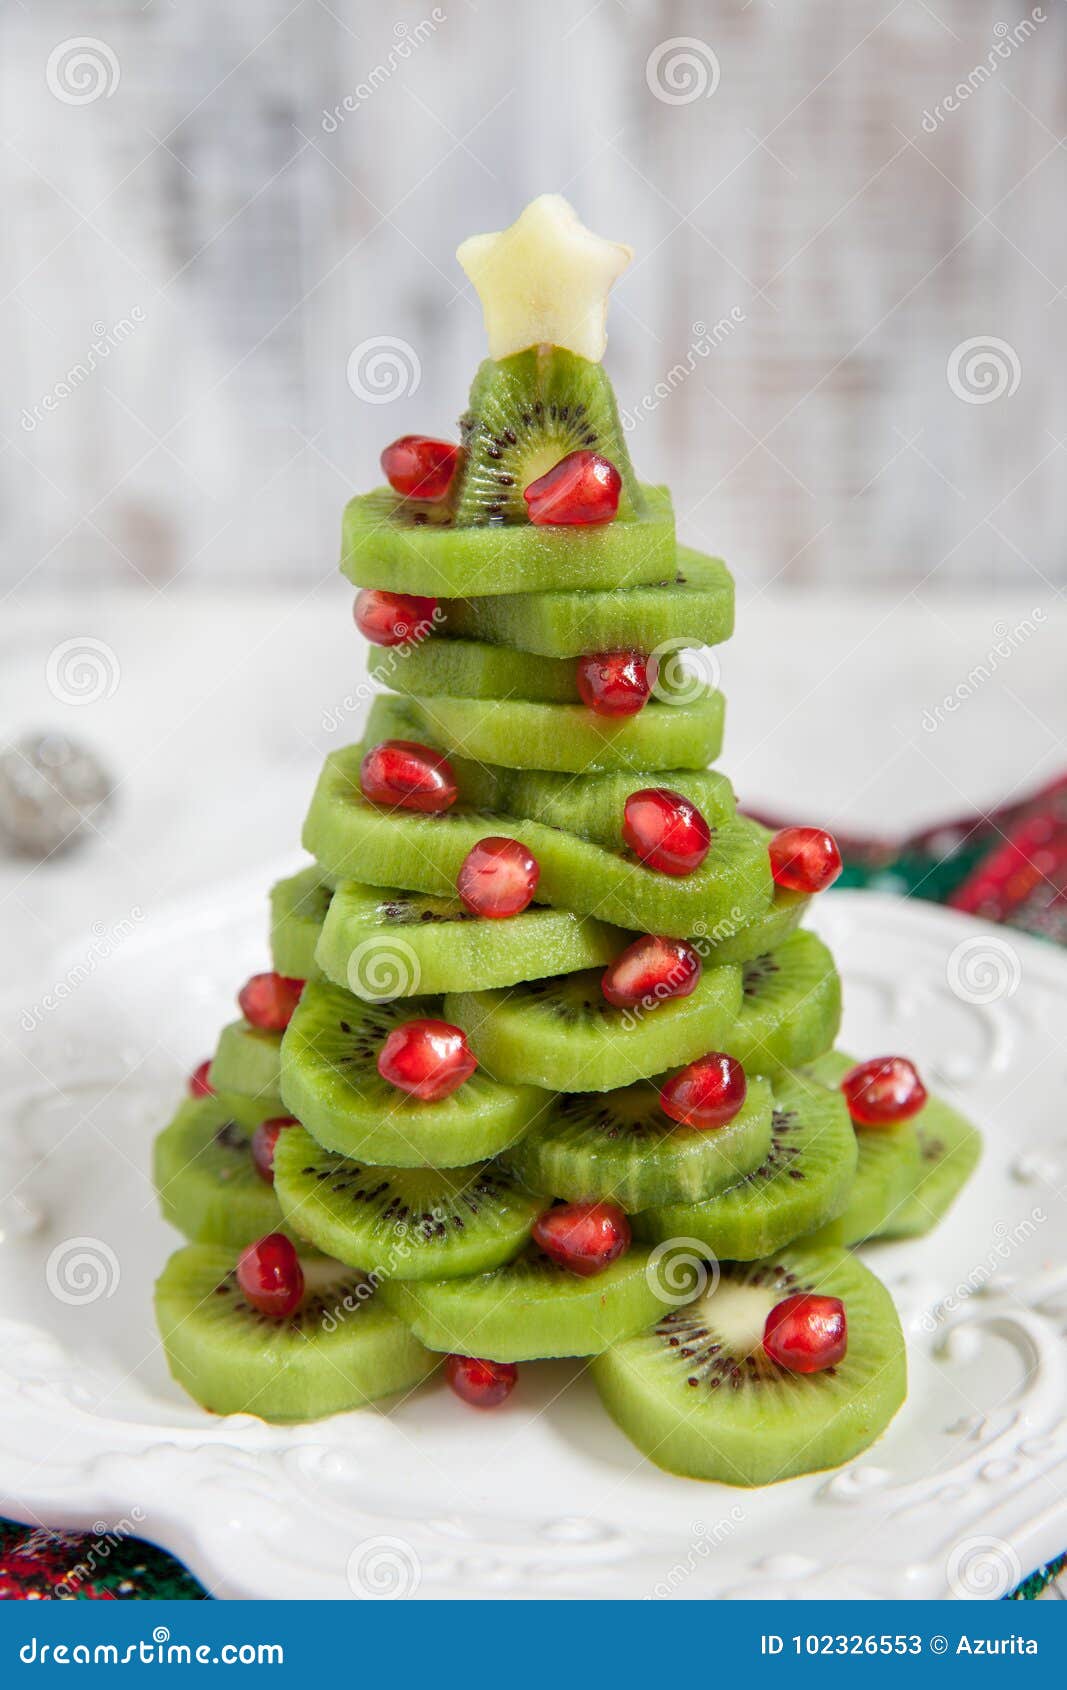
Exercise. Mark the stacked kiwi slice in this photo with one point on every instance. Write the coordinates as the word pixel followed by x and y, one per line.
pixel 422 1219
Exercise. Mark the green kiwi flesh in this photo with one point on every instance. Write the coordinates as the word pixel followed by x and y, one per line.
pixel 803 1182
pixel 562 1033
pixel 949 1151
pixel 353 839
pixel 887 1169
pixel 624 1149
pixel 247 1066
pixel 207 1182
pixel 520 733
pixel 695 606
pixel 530 1309
pixel 298 906
pixel 407 547
pixel 401 1223
pixel 380 943
pixel 790 1009
pixel 341 1349
pixel 699 1397
pixel 330 1082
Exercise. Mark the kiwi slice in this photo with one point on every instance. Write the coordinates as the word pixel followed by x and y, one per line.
pixel 355 840
pixel 769 930
pixel 341 1349
pixel 791 1007
pixel 624 1147
pixel 330 1082
pixel 531 1308
pixel 804 1180
pixel 887 1168
pixel 401 1223
pixel 563 1034
pixel 409 547
pixel 473 669
pixel 207 1183
pixel 699 1397
pixel 590 805
pixel 298 908
pixel 383 943
pixel 695 604
pixel 525 413
pixel 521 733
pixel 246 1068
pixel 949 1151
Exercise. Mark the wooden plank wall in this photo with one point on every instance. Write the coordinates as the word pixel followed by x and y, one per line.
pixel 227 242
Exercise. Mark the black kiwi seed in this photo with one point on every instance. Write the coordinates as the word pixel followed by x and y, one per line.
pixel 754 973
pixel 231 1137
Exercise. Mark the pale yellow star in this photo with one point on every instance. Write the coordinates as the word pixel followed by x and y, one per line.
pixel 545 280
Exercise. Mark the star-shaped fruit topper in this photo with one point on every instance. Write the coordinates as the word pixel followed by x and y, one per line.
pixel 544 281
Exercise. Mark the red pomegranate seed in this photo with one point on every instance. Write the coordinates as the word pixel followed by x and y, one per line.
pixel 427 1059
pixel 805 859
pixel 585 1238
pixel 393 618
pixel 883 1091
pixel 408 776
pixel 270 1276
pixel 706 1094
pixel 497 878
pixel 264 1139
pixel 583 488
pixel 806 1333
pixel 484 1384
pixel 420 468
pixel 651 970
pixel 268 1001
pixel 665 830
pixel 613 683
pixel 199 1085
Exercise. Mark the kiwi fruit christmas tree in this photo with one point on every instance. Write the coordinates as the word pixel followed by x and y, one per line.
pixel 544 1064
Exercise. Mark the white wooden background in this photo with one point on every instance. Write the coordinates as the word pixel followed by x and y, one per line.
pixel 229 246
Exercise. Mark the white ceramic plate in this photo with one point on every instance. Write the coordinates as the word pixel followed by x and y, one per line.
pixel 964 1494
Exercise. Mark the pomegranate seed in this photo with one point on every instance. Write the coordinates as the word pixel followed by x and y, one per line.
pixel 270 1276
pixel 883 1091
pixel 585 1238
pixel 393 618
pixel 427 1059
pixel 651 970
pixel 706 1094
pixel 497 878
pixel 613 683
pixel 420 468
pixel 805 859
pixel 268 1001
pixel 408 776
pixel 484 1384
pixel 665 830
pixel 263 1141
pixel 199 1085
pixel 583 488
pixel 807 1333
